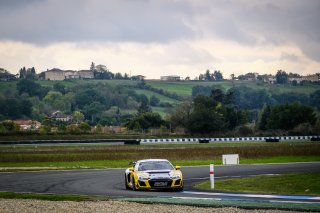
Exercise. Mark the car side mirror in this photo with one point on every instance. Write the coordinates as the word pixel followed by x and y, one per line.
pixel 131 169
pixel 178 167
pixel 132 163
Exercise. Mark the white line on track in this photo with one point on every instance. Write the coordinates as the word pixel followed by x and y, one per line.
pixel 254 195
pixel 238 176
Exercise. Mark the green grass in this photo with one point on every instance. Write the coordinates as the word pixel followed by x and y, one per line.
pixel 51 197
pixel 288 184
pixel 102 164
pixel 161 97
pixel 184 88
pixel 117 156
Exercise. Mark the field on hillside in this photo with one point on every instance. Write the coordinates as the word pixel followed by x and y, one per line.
pixel 184 88
pixel 181 88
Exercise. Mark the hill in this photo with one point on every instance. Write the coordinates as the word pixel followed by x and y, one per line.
pixel 126 95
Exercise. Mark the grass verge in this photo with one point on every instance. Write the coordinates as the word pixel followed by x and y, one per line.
pixel 52 197
pixel 289 184
pixel 102 164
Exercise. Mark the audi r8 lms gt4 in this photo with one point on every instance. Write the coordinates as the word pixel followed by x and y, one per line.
pixel 153 174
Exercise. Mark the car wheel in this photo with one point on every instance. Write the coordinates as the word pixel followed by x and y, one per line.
pixel 134 188
pixel 126 182
pixel 178 189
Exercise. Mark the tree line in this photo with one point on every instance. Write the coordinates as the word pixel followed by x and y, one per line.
pixel 210 111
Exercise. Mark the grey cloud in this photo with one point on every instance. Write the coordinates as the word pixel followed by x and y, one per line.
pixel 289 57
pixel 248 22
pixel 83 20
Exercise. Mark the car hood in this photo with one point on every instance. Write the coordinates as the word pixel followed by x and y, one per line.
pixel 157 171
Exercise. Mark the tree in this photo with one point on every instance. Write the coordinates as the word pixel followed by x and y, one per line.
pixel 288 116
pixel 23 72
pixel 217 75
pixel 205 117
pixel 146 120
pixel 59 87
pixel 315 99
pixel 84 127
pixel 31 73
pixel 78 116
pixel 32 88
pixel 264 118
pixel 92 110
pixel 207 75
pixel 181 115
pixel 118 75
pixel 92 67
pixel 154 101
pixel 282 77
pixel 88 96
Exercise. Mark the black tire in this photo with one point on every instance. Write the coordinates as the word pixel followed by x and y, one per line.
pixel 126 182
pixel 134 188
pixel 179 189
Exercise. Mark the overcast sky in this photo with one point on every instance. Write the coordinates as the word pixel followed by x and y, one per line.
pixel 162 37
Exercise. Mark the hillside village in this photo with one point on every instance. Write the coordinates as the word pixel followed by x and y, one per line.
pixel 102 72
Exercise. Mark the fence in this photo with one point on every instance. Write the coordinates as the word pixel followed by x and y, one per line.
pixel 238 139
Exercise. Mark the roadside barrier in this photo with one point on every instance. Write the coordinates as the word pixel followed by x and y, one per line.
pixel 236 139
pixel 167 140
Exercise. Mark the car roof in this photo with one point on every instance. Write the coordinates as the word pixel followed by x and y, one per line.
pixel 149 160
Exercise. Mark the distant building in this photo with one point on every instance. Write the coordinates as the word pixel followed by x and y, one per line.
pixel 60 117
pixel 270 79
pixel 311 78
pixel 138 77
pixel 298 80
pixel 71 74
pixel 170 78
pixel 59 75
pixel 28 124
pixel 7 76
pixel 55 75
pixel 86 74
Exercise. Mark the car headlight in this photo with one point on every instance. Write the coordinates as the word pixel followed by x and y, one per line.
pixel 175 176
pixel 143 176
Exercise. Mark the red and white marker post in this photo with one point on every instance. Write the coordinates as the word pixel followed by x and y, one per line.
pixel 212 176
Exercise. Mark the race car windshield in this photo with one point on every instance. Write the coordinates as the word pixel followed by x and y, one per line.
pixel 155 165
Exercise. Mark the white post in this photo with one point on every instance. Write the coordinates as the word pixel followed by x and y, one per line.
pixel 212 176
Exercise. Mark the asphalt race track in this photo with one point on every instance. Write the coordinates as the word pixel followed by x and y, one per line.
pixel 110 182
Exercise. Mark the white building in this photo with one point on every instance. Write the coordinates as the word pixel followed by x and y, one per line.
pixel 170 78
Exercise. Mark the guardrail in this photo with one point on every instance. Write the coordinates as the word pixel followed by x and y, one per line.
pixel 237 139
pixel 164 140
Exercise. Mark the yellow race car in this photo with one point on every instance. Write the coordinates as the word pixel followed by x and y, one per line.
pixel 153 174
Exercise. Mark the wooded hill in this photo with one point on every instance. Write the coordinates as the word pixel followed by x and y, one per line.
pixel 117 102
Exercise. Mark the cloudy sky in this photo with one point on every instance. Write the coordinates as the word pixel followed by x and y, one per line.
pixel 162 37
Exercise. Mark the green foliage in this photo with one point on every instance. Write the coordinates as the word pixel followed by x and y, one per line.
pixel 208 76
pixel 146 120
pixel 84 127
pixel 9 127
pixel 286 116
pixel 31 88
pixel 282 77
pixel 315 99
pixel 78 116
pixel 15 108
pixel 154 101
pixel 247 98
pixel 209 114
pixel 59 87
